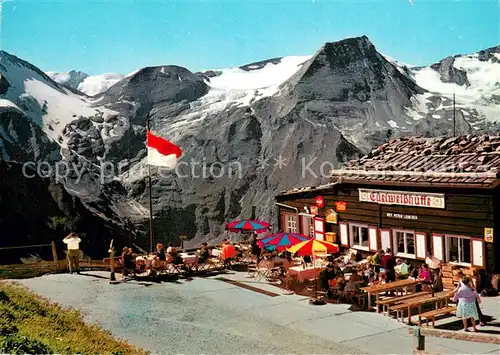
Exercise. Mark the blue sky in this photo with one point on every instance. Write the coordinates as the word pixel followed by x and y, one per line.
pixel 121 36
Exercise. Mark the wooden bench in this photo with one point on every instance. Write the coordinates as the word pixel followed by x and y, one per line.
pixel 385 303
pixel 399 309
pixel 433 314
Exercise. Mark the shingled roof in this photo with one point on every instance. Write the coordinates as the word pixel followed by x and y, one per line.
pixel 469 161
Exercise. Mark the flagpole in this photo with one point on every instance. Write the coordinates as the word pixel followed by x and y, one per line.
pixel 150 199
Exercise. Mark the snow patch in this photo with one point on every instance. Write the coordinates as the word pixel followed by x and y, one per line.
pixel 97 84
pixel 60 78
pixel 393 124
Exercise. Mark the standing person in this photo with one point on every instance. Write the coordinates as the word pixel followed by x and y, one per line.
pixel 73 243
pixel 255 247
pixel 466 308
pixel 388 263
pixel 433 263
pixel 376 260
pixel 471 285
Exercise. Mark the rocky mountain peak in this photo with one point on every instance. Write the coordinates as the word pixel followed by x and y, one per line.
pixel 449 73
pixel 492 54
pixel 153 85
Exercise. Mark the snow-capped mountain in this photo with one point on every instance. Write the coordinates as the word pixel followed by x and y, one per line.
pixel 90 85
pixel 324 108
pixel 71 79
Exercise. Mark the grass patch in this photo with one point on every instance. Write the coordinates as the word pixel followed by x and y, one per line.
pixel 31 324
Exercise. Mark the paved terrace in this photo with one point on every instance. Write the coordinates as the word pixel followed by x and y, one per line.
pixel 206 315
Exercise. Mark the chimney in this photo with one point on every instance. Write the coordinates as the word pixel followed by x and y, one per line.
pixel 253 212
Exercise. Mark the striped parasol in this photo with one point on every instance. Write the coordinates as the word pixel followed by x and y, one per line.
pixel 248 225
pixel 314 247
pixel 281 241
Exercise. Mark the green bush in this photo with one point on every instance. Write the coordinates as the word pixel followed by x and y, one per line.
pixel 20 344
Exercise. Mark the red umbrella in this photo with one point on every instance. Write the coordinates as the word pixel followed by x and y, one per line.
pixel 248 225
pixel 281 241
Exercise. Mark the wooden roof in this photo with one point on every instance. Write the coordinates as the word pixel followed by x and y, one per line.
pixel 468 161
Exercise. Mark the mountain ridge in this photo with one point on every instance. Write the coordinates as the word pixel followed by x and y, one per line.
pixel 315 111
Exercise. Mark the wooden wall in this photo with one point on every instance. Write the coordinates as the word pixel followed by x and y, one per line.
pixel 465 214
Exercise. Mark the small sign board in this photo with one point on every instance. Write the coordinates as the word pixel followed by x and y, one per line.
pixel 341 206
pixel 402 216
pixel 488 235
pixel 320 202
pixel 331 216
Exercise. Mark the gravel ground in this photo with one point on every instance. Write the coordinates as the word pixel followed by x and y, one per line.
pixel 181 318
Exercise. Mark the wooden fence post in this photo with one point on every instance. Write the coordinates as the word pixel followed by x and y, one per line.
pixel 54 255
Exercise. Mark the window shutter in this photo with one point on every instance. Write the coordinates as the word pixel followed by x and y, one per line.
pixel 421 245
pixel 283 222
pixel 319 228
pixel 344 235
pixel 437 246
pixel 385 239
pixel 478 253
pixel 373 238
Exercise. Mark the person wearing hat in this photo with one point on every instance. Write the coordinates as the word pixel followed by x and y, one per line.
pixel 73 243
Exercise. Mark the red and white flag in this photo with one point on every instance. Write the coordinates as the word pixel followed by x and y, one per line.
pixel 161 152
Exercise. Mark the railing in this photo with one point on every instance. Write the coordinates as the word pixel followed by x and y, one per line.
pixel 36 268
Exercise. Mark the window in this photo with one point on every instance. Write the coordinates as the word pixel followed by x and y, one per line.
pixel 458 250
pixel 404 243
pixel 359 236
pixel 291 223
pixel 308 226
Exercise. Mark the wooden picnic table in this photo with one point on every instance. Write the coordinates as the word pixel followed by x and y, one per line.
pixel 391 286
pixel 443 296
pixel 386 303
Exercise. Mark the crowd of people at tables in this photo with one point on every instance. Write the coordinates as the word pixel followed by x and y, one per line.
pixel 377 269
pixel 162 258
pixel 380 268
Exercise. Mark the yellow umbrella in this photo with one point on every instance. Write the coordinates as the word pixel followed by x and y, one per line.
pixel 314 247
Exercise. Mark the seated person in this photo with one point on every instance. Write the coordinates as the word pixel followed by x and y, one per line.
pixel 203 253
pixel 175 257
pixel 424 276
pixel 160 252
pixel 324 277
pixel 127 261
pixel 438 281
pixel 382 278
pixel 286 255
pixel 340 282
pixel 307 259
pixel 160 257
pixel 401 269
pixel 228 252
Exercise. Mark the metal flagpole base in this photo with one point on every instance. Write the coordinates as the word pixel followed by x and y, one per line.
pixel 112 279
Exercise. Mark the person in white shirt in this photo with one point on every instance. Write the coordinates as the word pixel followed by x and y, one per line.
pixel 73 243
pixel 433 263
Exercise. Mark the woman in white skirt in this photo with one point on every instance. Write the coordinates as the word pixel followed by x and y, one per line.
pixel 466 307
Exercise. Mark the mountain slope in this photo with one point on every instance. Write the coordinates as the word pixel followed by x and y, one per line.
pixel 246 133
